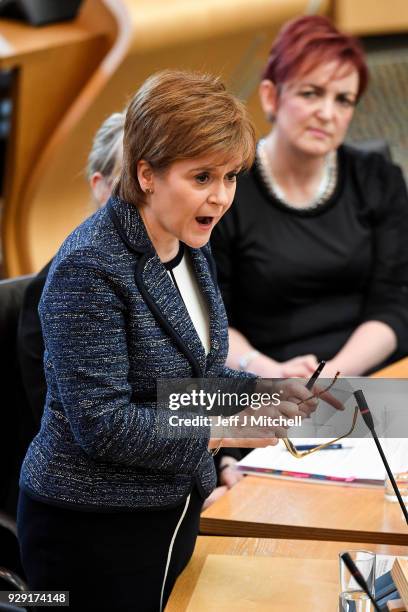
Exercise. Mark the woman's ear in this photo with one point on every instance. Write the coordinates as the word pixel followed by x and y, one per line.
pixel 101 188
pixel 145 176
pixel 268 95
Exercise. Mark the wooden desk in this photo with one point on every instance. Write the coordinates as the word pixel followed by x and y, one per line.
pixel 395 370
pixel 268 507
pixel 275 548
pixel 272 508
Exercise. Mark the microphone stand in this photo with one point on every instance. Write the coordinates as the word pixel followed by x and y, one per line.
pixel 368 419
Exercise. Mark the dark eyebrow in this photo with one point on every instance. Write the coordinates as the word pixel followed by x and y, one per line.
pixel 348 93
pixel 210 168
pixel 313 85
pixel 203 169
pixel 320 88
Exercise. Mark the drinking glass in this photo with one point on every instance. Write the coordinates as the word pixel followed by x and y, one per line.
pixel 352 597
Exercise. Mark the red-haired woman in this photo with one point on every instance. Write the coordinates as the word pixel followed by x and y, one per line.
pixel 313 256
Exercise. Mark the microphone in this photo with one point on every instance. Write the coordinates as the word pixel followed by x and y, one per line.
pixel 368 420
pixel 358 577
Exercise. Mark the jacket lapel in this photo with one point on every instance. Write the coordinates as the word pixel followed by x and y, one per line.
pixel 159 291
pixel 171 307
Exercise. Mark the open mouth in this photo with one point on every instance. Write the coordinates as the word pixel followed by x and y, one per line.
pixel 204 221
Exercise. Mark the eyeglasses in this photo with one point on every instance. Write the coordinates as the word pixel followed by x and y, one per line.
pixel 342 422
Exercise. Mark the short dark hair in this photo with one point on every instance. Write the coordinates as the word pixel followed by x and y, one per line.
pixel 181 115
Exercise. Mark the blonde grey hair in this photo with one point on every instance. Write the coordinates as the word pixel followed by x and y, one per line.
pixel 107 148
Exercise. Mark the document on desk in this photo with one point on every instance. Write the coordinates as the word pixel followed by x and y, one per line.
pixel 356 463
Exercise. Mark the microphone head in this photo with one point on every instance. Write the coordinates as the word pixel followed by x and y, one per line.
pixel 364 409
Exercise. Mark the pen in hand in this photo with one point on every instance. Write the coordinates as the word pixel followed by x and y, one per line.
pixel 315 375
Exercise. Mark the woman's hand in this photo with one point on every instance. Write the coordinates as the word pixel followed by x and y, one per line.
pixel 289 399
pixel 298 367
pixel 251 428
pixel 216 442
pixel 228 477
pixel 228 474
pixel 214 496
pixel 294 398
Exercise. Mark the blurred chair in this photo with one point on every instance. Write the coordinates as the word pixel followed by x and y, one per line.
pixel 16 431
pixel 9 608
pixel 383 109
pixel 374 146
pixel 11 571
pixel 16 422
pixel 11 581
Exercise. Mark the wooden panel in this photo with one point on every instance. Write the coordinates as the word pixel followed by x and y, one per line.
pixel 365 17
pixel 293 549
pixel 52 64
pixel 231 38
pixel 162 23
pixel 395 370
pixel 268 507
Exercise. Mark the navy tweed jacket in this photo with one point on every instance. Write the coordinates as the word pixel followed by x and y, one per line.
pixel 114 323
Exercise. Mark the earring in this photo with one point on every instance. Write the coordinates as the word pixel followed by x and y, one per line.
pixel 149 191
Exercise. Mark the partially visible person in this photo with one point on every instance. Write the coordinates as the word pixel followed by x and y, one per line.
pixel 103 167
pixel 313 256
pixel 228 474
pixel 111 493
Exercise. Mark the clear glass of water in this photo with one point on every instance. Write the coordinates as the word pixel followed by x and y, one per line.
pixel 352 597
pixel 401 478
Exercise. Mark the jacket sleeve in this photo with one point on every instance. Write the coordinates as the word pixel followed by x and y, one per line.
pixel 387 297
pixel 83 313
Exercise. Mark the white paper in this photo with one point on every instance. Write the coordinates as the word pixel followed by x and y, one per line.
pixel 357 460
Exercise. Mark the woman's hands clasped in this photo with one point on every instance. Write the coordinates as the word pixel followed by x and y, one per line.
pixel 277 405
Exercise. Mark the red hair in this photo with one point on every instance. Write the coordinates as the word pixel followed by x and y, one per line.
pixel 305 43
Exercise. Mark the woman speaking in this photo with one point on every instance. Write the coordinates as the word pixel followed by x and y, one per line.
pixel 110 497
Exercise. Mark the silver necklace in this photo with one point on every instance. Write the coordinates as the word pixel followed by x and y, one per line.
pixel 324 190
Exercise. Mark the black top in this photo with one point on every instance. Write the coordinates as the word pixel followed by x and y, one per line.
pixel 31 345
pixel 173 263
pixel 301 281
